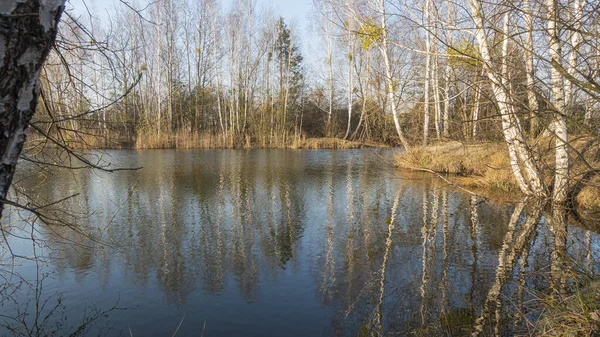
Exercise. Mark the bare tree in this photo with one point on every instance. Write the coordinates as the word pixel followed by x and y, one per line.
pixel 27 32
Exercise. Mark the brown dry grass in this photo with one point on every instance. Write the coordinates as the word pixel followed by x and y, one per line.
pixel 487 166
pixel 331 143
pixel 586 155
pixel 180 140
pixel 80 140
pixel 574 315
pixel 481 166
pixel 589 196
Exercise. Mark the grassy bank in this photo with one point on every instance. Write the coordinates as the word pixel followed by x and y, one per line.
pixel 198 141
pixel 333 143
pixel 486 167
pixel 574 314
pixel 193 140
pixel 479 166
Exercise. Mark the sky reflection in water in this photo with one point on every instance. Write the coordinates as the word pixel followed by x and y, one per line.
pixel 282 243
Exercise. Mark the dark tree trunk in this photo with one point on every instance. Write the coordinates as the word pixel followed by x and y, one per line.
pixel 27 33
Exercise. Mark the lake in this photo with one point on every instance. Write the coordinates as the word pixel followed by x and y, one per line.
pixel 276 243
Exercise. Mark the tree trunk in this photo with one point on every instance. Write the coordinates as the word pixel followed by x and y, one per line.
pixel 530 183
pixel 448 72
pixel 559 121
pixel 350 84
pixel 577 12
pixel 435 81
pixel 25 41
pixel 427 76
pixel 389 80
pixel 530 70
pixel 476 105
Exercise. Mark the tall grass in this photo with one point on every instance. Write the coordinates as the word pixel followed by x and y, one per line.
pixel 576 314
pixel 483 165
pixel 181 139
pixel 487 166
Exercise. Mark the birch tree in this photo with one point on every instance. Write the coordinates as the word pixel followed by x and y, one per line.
pixel 25 41
pixel 530 70
pixel 389 75
pixel 529 180
pixel 559 120
pixel 427 82
pixel 350 26
pixel 328 27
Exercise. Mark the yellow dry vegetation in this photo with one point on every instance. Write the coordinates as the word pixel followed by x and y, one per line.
pixel 331 143
pixel 487 166
pixel 481 165
pixel 577 314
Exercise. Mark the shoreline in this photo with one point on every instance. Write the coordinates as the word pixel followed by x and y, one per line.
pixel 323 143
pixel 485 168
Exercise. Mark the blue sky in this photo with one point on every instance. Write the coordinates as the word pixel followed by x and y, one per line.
pixel 291 10
pixel 297 10
pixel 294 11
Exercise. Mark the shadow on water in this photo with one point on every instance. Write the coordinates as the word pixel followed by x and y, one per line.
pixel 295 243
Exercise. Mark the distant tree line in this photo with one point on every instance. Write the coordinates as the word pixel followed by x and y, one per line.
pixel 176 73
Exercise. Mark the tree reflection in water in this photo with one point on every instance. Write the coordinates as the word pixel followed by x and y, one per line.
pixel 296 243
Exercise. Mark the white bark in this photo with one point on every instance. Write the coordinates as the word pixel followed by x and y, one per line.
pixel 476 105
pixel 577 12
pixel 388 72
pixel 559 121
pixel 350 84
pixel 362 89
pixel 217 71
pixel 448 71
pixel 435 76
pixel 329 61
pixel 529 181
pixel 427 75
pixel 530 70
pixel 25 41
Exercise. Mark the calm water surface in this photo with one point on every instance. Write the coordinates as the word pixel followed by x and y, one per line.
pixel 276 243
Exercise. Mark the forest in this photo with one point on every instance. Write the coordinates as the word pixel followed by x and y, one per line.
pixel 502 94
pixel 174 73
pixel 178 74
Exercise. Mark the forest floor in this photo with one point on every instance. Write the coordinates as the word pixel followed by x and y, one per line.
pixel 485 167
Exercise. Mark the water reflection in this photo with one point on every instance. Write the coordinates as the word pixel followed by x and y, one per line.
pixel 299 243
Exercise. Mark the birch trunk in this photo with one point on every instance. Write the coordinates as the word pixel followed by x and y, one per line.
pixel 530 183
pixel 476 105
pixel 530 70
pixel 389 78
pixel 559 121
pixel 287 87
pixel 25 41
pixel 573 54
pixel 363 91
pixel 350 84
pixel 427 76
pixel 435 77
pixel 329 57
pixel 446 117
pixel 217 71
pixel 158 63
